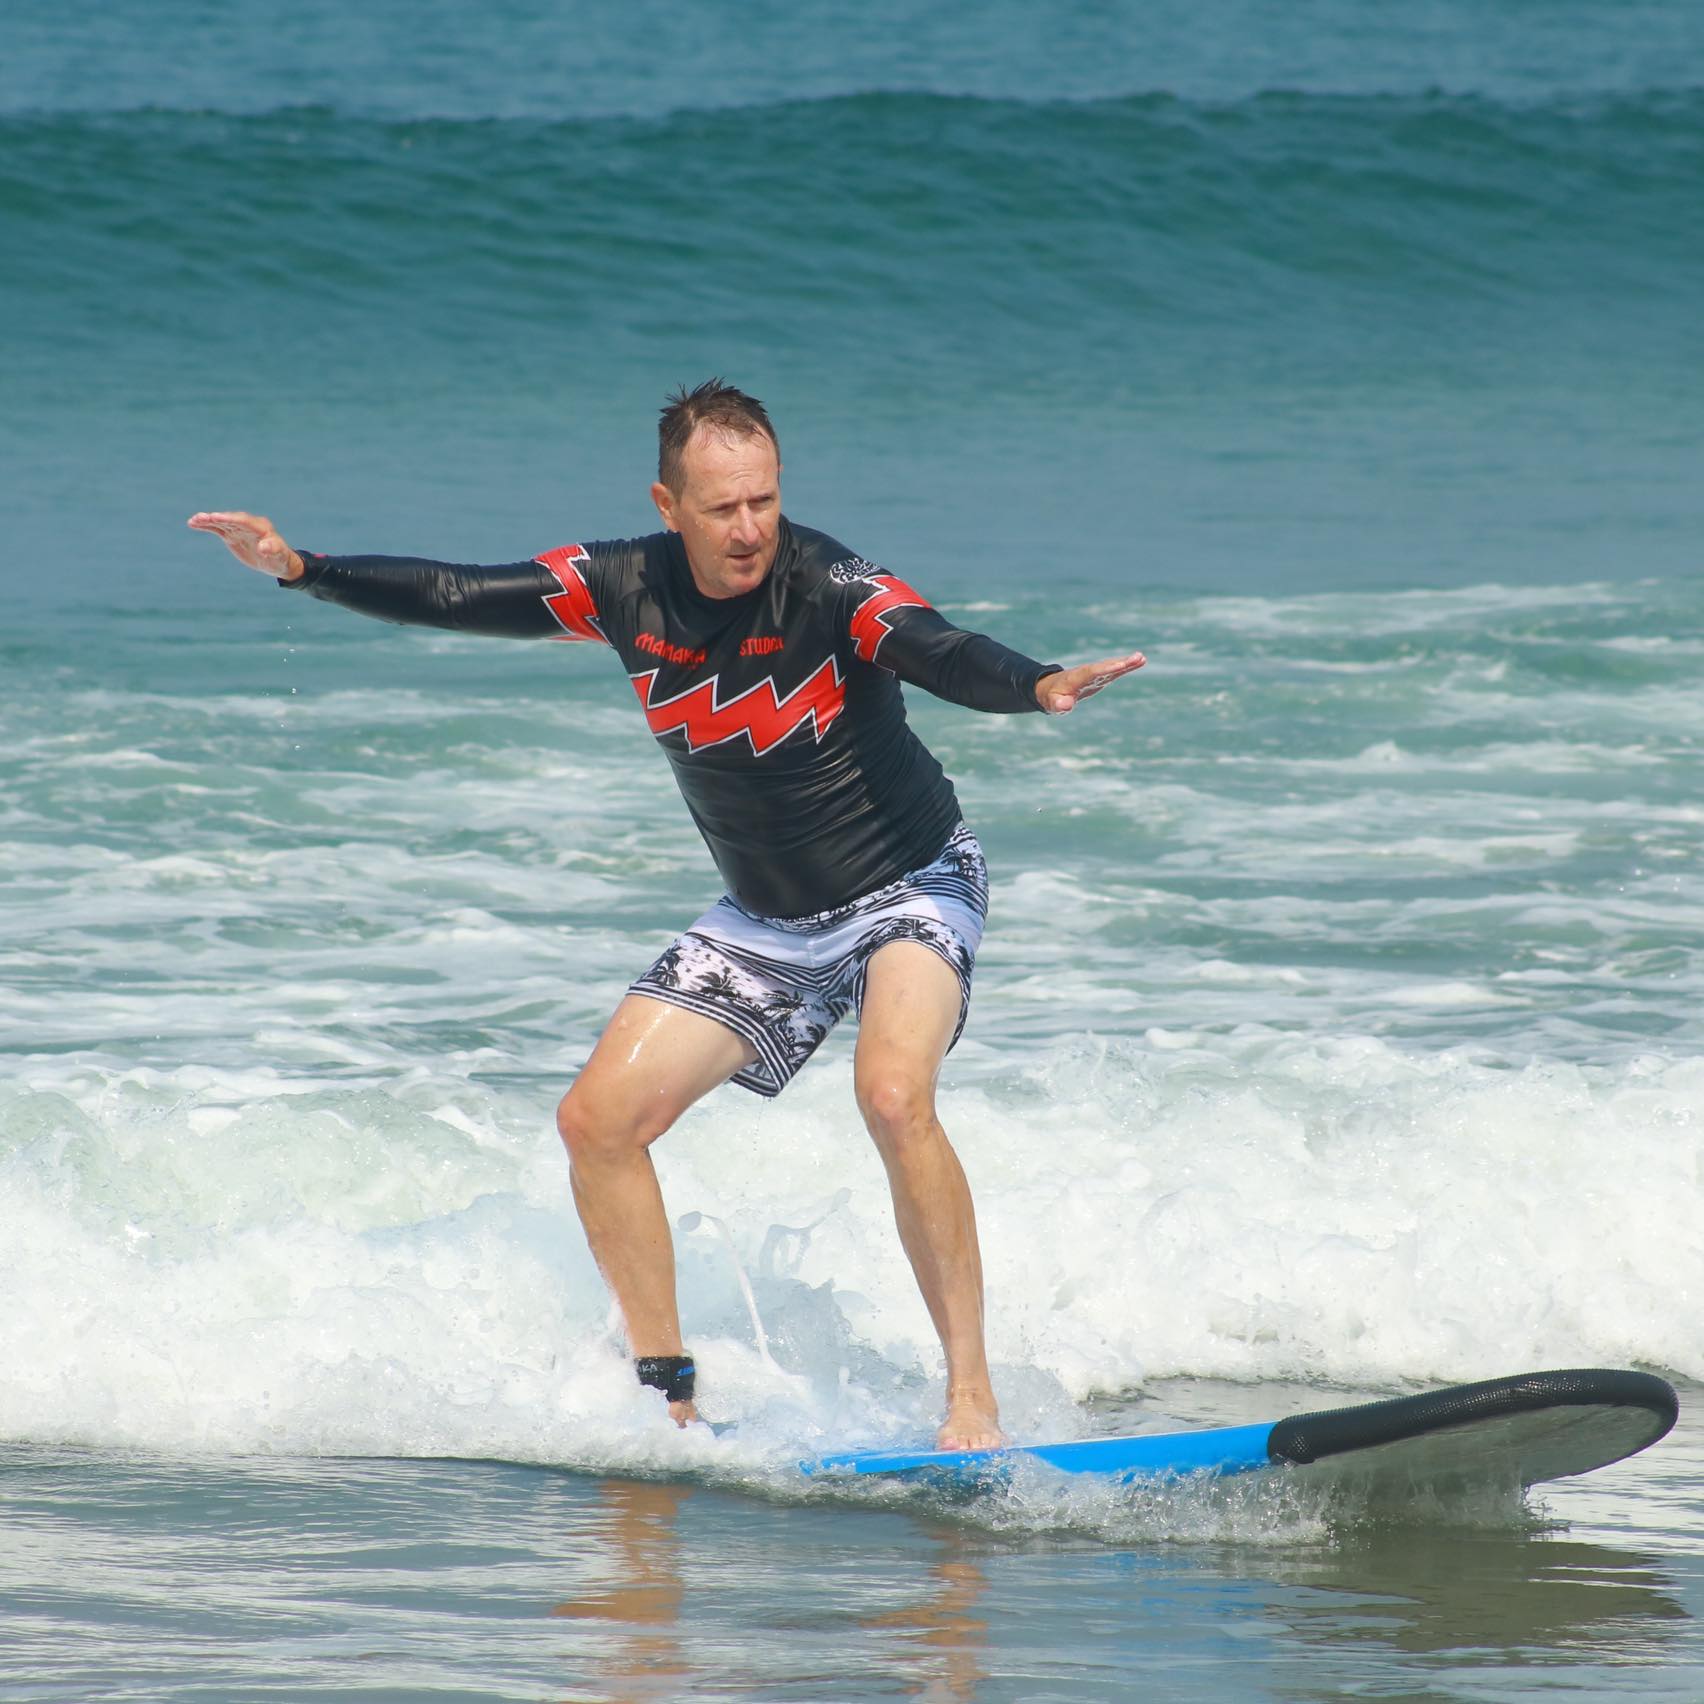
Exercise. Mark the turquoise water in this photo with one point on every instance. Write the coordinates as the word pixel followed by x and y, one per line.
pixel 244 1579
pixel 515 1583
pixel 1337 1028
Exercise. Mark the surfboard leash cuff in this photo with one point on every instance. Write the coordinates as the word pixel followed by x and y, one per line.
pixel 673 1375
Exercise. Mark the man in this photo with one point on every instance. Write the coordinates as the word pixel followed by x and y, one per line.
pixel 765 657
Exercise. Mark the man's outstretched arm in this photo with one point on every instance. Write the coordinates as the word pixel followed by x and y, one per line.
pixel 898 628
pixel 548 597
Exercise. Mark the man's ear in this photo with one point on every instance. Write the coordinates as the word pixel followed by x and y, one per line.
pixel 664 499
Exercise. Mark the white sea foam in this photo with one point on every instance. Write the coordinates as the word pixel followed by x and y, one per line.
pixel 238 1260
pixel 1511 759
pixel 1373 614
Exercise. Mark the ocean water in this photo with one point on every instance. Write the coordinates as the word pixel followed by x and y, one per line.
pixel 1337 1030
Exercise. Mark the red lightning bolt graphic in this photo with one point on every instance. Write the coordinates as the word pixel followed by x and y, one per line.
pixel 869 628
pixel 573 605
pixel 760 712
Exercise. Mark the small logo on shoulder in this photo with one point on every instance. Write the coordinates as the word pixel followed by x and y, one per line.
pixel 852 568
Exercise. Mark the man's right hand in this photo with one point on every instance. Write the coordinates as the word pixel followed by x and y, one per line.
pixel 253 540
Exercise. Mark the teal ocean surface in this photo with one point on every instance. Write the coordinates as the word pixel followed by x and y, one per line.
pixel 1338 1024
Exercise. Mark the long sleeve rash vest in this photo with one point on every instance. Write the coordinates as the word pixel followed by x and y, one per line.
pixel 779 709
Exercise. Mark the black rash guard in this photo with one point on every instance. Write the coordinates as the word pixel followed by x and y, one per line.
pixel 779 708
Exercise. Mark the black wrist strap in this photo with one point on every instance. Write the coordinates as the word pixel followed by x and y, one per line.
pixel 671 1374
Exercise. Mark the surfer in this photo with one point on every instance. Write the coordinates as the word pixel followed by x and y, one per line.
pixel 767 659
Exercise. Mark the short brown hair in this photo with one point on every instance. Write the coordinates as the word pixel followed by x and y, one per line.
pixel 726 411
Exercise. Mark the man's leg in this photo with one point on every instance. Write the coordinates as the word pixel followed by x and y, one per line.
pixel 651 1063
pixel 911 1008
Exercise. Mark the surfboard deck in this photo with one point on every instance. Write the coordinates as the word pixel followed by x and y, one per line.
pixel 1520 1430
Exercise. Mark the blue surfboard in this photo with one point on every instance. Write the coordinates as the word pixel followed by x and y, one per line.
pixel 1521 1430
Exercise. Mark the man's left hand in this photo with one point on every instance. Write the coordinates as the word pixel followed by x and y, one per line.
pixel 1066 688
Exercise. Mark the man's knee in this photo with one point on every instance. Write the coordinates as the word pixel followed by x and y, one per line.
pixel 898 1109
pixel 597 1126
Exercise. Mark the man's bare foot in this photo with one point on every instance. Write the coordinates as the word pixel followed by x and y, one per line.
pixel 683 1414
pixel 972 1423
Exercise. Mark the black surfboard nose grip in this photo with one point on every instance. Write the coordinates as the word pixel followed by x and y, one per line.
pixel 673 1375
pixel 1305 1438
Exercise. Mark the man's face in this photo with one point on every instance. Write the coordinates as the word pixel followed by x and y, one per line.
pixel 727 512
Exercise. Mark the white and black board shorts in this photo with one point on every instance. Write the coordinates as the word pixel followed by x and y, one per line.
pixel 784 982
